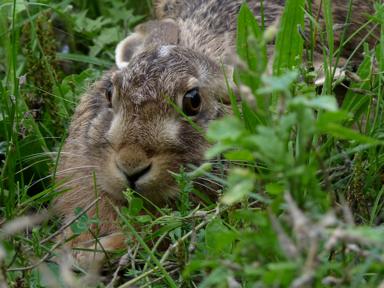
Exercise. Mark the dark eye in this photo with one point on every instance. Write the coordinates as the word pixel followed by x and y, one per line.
pixel 109 93
pixel 192 102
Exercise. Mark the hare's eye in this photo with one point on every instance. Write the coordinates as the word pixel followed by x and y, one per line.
pixel 108 94
pixel 192 102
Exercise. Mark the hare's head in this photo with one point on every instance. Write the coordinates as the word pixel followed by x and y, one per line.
pixel 159 101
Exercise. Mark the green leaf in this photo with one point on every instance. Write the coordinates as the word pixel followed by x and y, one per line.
pixel 241 183
pixel 229 128
pixel 280 274
pixel 81 225
pixel 270 145
pixel 327 103
pixel 372 235
pixel 333 117
pixel 252 118
pixel 135 206
pixel 216 278
pixel 143 219
pixel 289 43
pixel 106 37
pixel 341 132
pixel 358 103
pixel 251 48
pixel 239 155
pixel 88 25
pixel 217 149
pixel 247 26
pixel 218 238
pixel 83 59
pixel 274 188
pixel 200 171
pixel 278 83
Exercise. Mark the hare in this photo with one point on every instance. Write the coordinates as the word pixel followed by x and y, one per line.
pixel 125 133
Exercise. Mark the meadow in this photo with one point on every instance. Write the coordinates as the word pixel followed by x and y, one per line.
pixel 301 193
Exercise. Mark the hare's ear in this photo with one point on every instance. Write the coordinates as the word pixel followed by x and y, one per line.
pixel 151 33
pixel 167 8
pixel 127 48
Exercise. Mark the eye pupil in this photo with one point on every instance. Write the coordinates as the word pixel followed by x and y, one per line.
pixel 192 102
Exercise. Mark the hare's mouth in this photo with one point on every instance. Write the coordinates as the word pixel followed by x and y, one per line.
pixel 149 181
pixel 135 178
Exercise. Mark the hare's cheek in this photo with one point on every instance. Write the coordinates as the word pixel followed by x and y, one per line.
pixel 193 142
pixel 112 180
pixel 99 126
pixel 159 184
pixel 118 129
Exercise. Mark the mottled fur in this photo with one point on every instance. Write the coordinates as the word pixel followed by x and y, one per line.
pixel 142 127
pixel 157 65
pixel 209 26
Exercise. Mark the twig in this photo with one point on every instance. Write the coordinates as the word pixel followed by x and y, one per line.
pixel 287 245
pixel 115 276
pixel 146 248
pixel 159 278
pixel 3 276
pixel 98 242
pixel 87 208
pixel 38 262
pixel 62 228
pixel 154 249
pixel 182 239
pixel 133 258
pixel 21 223
pixel 171 248
pixel 138 278
pixel 122 262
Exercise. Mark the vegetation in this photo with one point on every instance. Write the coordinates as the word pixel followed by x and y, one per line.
pixel 301 202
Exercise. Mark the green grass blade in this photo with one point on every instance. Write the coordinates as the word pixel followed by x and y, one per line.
pixel 289 43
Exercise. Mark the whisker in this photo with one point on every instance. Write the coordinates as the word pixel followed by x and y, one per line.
pixel 64 171
pixel 58 173
pixel 226 161
pixel 73 181
pixel 85 188
pixel 54 153
pixel 235 162
pixel 26 143
pixel 29 166
pixel 219 174
pixel 205 186
pixel 212 181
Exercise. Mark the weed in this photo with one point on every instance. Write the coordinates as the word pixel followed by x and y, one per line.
pixel 301 186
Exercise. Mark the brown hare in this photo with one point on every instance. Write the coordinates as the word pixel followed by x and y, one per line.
pixel 126 134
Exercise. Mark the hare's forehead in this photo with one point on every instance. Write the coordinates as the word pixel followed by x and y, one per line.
pixel 163 67
pixel 169 57
pixel 164 50
pixel 161 58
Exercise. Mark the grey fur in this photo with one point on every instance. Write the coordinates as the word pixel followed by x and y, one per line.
pixel 159 63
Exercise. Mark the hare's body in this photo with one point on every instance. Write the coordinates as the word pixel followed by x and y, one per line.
pixel 209 26
pixel 125 133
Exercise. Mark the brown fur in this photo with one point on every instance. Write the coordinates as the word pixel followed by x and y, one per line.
pixel 204 27
pixel 142 128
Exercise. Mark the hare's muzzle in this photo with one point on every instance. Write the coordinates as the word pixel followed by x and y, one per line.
pixel 135 174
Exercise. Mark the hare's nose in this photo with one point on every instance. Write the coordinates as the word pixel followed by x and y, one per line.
pixel 133 175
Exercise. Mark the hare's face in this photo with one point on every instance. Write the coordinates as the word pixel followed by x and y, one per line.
pixel 158 107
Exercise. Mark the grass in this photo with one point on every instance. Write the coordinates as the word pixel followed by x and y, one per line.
pixel 302 199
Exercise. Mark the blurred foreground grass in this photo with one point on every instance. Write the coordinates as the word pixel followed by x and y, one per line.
pixel 302 201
